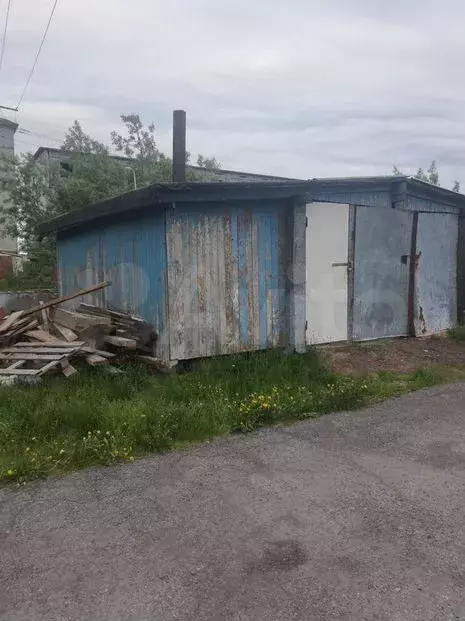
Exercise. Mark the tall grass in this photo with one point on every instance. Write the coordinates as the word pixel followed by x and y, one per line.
pixel 97 418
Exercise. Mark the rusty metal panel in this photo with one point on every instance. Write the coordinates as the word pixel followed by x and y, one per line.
pixel 381 272
pixel 226 278
pixel 132 255
pixel 436 273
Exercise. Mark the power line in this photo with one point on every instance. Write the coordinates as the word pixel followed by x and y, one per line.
pixel 44 36
pixel 28 132
pixel 4 33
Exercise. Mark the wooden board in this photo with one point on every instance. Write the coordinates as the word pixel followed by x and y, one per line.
pixel 99 352
pixel 44 337
pixel 65 332
pixel 44 316
pixel 50 364
pixel 119 341
pixel 66 298
pixel 40 350
pixel 33 357
pixel 164 366
pixel 10 320
pixel 95 359
pixel 20 371
pixel 55 343
pixel 20 328
pixel 16 365
pixel 79 321
pixel 67 368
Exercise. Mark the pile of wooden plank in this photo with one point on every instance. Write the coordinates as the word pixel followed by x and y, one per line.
pixel 48 337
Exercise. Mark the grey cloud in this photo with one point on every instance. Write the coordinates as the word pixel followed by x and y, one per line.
pixel 299 88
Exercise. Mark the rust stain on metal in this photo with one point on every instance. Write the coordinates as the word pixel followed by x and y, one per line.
pixel 422 320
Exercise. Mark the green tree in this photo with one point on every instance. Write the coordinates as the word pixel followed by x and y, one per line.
pixel 91 175
pixel 27 205
pixel 210 163
pixel 139 145
pixel 140 141
pixel 431 175
pixel 77 140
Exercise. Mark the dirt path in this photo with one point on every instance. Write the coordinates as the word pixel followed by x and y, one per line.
pixel 402 355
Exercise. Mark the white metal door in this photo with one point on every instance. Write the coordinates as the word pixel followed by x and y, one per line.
pixel 327 246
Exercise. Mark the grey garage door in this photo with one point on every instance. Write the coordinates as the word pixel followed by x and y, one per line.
pixel 381 272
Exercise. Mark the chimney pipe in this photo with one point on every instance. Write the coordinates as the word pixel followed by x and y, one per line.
pixel 179 146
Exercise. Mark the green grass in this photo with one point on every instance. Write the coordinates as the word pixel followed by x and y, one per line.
pixel 457 333
pixel 98 418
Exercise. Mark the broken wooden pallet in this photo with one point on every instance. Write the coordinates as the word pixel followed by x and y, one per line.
pixel 35 359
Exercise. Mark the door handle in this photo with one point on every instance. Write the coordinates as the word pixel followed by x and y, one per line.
pixel 348 265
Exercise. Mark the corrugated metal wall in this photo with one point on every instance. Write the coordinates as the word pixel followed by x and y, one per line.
pixel 227 266
pixel 132 255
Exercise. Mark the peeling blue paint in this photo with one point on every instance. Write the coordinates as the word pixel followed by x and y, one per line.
pixel 132 255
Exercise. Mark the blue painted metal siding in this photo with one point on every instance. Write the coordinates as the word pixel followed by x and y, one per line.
pixel 132 255
pixel 227 266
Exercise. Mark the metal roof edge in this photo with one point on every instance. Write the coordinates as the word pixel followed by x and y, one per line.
pixel 160 195
pixel 429 190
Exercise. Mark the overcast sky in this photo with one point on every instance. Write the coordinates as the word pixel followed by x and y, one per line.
pixel 303 88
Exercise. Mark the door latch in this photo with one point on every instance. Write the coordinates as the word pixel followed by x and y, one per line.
pixel 348 265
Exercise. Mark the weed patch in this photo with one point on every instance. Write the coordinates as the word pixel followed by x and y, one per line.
pixel 457 333
pixel 95 418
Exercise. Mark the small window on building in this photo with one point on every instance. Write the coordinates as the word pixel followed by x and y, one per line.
pixel 65 168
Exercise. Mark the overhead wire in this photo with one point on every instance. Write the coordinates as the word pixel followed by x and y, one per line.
pixel 28 132
pixel 44 36
pixel 2 51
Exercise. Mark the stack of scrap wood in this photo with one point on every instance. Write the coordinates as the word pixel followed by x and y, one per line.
pixel 48 337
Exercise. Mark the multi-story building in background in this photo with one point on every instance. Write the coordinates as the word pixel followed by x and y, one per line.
pixel 8 245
